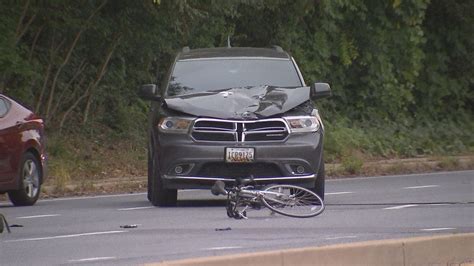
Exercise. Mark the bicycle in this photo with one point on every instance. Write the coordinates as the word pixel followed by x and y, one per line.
pixel 288 200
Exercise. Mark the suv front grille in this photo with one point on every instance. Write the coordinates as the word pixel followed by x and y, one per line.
pixel 205 129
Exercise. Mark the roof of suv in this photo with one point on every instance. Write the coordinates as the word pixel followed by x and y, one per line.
pixel 276 52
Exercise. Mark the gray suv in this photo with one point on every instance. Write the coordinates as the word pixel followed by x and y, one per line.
pixel 227 113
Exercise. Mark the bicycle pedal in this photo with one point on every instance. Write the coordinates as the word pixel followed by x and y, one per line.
pixel 241 215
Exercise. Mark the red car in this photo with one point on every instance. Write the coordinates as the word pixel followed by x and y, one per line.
pixel 22 153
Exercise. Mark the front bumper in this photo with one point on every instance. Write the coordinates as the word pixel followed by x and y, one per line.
pixel 206 182
pixel 202 163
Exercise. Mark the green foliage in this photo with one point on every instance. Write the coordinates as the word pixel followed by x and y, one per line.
pixel 402 72
pixel 352 164
pixel 392 139
pixel 449 163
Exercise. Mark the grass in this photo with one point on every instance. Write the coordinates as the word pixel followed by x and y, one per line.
pixel 83 160
pixel 395 140
pixel 449 163
pixel 352 163
pixel 62 176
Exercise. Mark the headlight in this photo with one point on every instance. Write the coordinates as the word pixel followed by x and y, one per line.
pixel 175 124
pixel 299 124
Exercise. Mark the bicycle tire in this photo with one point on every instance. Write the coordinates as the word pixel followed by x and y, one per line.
pixel 292 201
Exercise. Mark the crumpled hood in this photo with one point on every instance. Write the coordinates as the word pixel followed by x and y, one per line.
pixel 240 103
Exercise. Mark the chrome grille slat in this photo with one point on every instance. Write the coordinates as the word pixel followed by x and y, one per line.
pixel 266 130
pixel 209 130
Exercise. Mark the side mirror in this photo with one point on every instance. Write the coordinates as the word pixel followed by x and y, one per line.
pixel 149 92
pixel 320 90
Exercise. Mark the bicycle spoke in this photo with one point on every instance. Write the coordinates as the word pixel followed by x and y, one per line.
pixel 293 201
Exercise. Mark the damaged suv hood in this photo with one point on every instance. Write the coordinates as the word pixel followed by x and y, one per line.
pixel 240 103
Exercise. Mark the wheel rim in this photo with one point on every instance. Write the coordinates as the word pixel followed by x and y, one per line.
pixel 30 178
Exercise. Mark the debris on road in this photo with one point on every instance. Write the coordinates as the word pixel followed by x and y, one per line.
pixel 129 226
pixel 16 225
pixel 4 224
pixel 224 229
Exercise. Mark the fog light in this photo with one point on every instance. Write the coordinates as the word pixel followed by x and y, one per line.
pixel 178 169
pixel 299 169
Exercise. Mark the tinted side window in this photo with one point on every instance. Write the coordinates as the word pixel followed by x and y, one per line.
pixel 4 106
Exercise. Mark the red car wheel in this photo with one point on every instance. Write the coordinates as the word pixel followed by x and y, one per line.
pixel 30 182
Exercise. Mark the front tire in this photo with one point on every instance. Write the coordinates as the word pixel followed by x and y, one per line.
pixel 161 196
pixel 157 193
pixel 30 182
pixel 150 176
pixel 320 181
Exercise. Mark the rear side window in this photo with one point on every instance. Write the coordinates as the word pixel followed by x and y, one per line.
pixel 4 107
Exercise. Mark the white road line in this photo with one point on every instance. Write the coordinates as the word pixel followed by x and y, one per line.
pixel 65 236
pixel 95 197
pixel 135 208
pixel 417 187
pixel 221 248
pixel 397 176
pixel 339 193
pixel 340 237
pixel 438 229
pixel 38 216
pixel 401 207
pixel 92 259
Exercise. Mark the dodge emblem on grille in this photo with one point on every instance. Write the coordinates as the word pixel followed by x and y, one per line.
pixel 226 94
pixel 246 114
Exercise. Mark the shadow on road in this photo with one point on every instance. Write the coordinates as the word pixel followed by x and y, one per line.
pixel 200 203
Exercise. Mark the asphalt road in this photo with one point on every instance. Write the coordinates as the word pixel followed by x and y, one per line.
pixel 88 230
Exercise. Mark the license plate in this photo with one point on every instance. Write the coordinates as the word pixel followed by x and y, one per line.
pixel 239 155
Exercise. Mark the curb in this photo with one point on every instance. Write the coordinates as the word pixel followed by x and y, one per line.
pixel 455 249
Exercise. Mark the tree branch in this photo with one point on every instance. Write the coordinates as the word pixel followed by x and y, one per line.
pixel 66 59
pixel 92 85
pixel 18 37
pixel 60 99
pixel 33 45
pixel 100 75
pixel 23 15
pixel 52 53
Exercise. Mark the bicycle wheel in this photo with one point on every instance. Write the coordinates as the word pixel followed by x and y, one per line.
pixel 292 201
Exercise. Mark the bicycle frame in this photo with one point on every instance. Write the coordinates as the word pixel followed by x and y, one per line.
pixel 261 194
pixel 245 196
